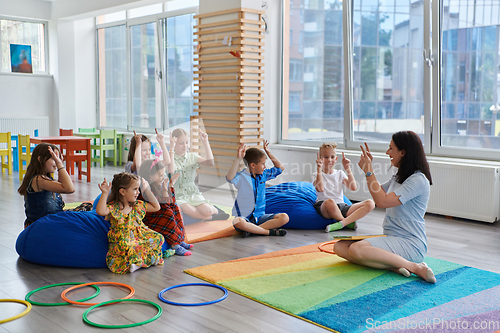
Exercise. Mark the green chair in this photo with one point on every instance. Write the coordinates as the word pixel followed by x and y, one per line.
pixel 86 130
pixel 107 141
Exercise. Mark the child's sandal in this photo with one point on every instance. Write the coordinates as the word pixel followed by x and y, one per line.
pixel 277 232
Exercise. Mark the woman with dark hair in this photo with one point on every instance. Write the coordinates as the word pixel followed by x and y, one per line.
pixel 405 196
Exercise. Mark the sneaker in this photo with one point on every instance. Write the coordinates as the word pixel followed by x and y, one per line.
pixel 352 226
pixel 334 226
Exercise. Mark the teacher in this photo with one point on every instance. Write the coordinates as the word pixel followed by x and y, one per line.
pixel 405 197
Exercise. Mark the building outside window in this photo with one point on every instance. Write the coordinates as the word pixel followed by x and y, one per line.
pixel 387 69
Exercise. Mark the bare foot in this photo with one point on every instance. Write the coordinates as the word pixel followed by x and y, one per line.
pixel 425 272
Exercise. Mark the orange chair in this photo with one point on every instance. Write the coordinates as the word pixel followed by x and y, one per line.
pixel 24 153
pixel 66 132
pixel 74 155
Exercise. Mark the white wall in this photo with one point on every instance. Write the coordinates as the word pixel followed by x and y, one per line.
pixel 25 95
pixel 78 9
pixel 67 72
pixel 86 69
pixel 33 9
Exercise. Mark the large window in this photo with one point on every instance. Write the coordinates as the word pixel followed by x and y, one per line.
pixel 145 63
pixel 315 71
pixel 470 74
pixel 387 68
pixel 24 33
pixel 445 86
pixel 112 76
pixel 179 60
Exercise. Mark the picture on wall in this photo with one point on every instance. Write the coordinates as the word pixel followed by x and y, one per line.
pixel 20 58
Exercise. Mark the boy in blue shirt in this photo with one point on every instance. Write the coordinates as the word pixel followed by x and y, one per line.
pixel 250 204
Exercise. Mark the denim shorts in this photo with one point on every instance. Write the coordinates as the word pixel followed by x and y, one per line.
pixel 264 218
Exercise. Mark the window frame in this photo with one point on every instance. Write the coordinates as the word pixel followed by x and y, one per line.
pixel 432 96
pixel 46 45
pixel 130 23
pixel 156 18
pixel 437 149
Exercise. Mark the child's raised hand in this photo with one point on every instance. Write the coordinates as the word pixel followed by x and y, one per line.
pixel 56 157
pixel 144 183
pixel 174 178
pixel 319 162
pixel 203 135
pixel 105 187
pixel 266 146
pixel 241 151
pixel 346 162
pixel 173 141
pixel 159 137
pixel 137 139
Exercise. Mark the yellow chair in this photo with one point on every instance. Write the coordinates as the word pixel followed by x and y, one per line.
pixel 7 152
pixel 103 145
pixel 24 152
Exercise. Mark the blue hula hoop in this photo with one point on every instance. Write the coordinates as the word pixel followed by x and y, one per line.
pixel 160 295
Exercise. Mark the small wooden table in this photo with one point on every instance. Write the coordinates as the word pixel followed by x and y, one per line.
pixel 95 135
pixel 58 140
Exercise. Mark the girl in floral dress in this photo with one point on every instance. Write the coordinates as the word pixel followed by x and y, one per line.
pixel 132 245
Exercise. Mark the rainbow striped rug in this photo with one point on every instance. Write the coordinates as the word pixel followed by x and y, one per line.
pixel 328 291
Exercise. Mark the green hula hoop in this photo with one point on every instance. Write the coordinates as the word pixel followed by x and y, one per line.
pixel 85 314
pixel 98 291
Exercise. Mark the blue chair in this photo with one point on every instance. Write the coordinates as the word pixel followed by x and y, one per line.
pixel 15 157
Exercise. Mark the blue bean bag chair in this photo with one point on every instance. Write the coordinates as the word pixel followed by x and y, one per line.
pixel 297 199
pixel 70 239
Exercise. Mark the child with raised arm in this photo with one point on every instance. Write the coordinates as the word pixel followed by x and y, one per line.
pixel 132 245
pixel 168 220
pixel 330 193
pixel 189 198
pixel 140 151
pixel 42 193
pixel 250 204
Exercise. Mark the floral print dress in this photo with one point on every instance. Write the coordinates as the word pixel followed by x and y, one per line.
pixel 130 241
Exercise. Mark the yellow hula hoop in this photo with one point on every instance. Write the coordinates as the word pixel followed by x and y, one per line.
pixel 28 309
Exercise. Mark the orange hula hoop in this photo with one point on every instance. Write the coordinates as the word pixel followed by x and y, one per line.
pixel 63 294
pixel 320 247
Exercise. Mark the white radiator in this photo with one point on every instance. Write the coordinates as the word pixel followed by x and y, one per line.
pixel 25 126
pixel 469 191
pixel 466 191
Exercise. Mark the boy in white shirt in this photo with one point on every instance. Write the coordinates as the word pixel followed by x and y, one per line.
pixel 330 193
